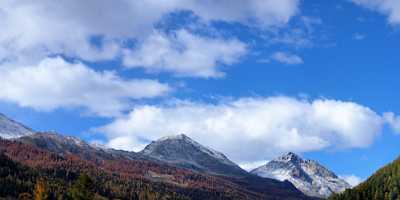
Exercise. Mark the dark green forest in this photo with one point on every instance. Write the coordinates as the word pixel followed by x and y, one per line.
pixel 383 185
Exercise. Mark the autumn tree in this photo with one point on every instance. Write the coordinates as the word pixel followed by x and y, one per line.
pixel 25 196
pixel 41 192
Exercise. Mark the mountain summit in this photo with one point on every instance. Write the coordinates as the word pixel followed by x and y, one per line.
pixel 10 129
pixel 183 151
pixel 308 176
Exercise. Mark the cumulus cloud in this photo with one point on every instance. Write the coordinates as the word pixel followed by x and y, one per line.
pixel 393 121
pixel 351 179
pixel 97 30
pixel 287 58
pixel 185 54
pixel 262 13
pixel 265 126
pixel 54 83
pixel 391 8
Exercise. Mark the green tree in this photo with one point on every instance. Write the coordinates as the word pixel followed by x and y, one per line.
pixel 383 185
pixel 82 189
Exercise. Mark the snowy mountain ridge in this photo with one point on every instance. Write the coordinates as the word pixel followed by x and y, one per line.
pixel 183 151
pixel 10 129
pixel 207 150
pixel 308 176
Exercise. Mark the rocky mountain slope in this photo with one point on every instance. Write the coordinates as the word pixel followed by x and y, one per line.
pixel 11 129
pixel 183 151
pixel 308 176
pixel 67 145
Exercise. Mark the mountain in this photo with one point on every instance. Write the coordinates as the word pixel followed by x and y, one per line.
pixel 383 184
pixel 22 166
pixel 169 168
pixel 182 151
pixel 60 159
pixel 69 145
pixel 11 129
pixel 308 176
pixel 239 182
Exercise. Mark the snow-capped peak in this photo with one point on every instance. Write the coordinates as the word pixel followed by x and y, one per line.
pixel 307 175
pixel 207 150
pixel 71 140
pixel 289 157
pixel 10 129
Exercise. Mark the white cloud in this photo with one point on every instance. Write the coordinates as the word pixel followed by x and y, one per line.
pixel 352 179
pixel 393 121
pixel 287 58
pixel 266 127
pixel 32 30
pixel 248 166
pixel 262 13
pixel 185 54
pixel 54 83
pixel 391 8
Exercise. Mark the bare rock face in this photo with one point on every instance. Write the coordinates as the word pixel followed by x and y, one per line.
pixel 308 176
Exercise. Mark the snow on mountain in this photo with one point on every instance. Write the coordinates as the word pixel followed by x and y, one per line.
pixel 64 145
pixel 182 151
pixel 10 129
pixel 308 176
pixel 200 147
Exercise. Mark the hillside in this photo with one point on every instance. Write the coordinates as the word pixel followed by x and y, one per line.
pixel 383 185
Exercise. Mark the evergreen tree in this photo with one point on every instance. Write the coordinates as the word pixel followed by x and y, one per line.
pixel 82 189
pixel 383 185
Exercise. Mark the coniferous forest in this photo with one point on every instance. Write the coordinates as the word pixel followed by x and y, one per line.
pixel 383 185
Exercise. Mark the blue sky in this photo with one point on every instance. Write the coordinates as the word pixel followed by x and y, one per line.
pixel 251 79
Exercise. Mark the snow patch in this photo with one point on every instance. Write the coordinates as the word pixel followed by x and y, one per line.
pixel 308 176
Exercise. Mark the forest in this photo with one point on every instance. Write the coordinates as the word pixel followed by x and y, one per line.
pixel 383 185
